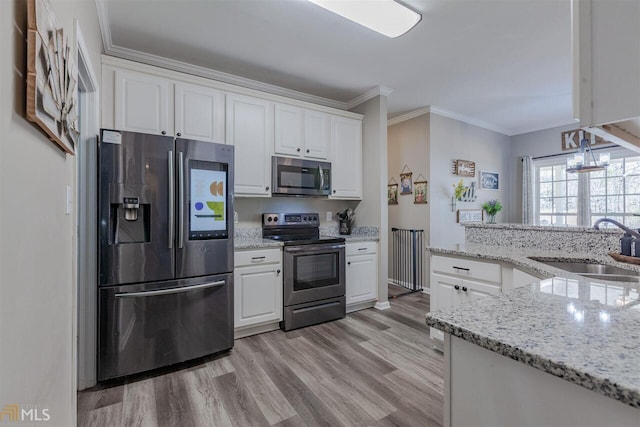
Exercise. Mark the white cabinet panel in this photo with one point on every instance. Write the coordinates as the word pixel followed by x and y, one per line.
pixel 443 291
pixel 250 129
pixel 362 278
pixel 520 278
pixel 346 158
pixel 199 113
pixel 289 130
pixel 258 294
pixel 472 291
pixel 467 268
pixel 142 103
pixel 317 135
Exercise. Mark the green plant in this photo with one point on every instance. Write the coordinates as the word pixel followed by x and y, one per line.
pixel 492 207
pixel 458 190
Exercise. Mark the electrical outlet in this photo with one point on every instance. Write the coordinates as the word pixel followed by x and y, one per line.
pixel 329 216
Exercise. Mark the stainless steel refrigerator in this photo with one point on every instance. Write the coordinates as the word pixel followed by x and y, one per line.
pixel 165 251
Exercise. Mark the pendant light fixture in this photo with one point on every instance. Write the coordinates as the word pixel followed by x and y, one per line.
pixel 387 17
pixel 581 161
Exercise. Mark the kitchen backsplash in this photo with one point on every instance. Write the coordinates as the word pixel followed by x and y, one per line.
pixel 250 210
pixel 570 239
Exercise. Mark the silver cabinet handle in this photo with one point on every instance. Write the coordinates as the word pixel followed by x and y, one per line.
pixel 181 200
pixel 169 291
pixel 172 224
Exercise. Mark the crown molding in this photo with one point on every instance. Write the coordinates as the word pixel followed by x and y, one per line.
pixel 559 123
pixel 371 93
pixel 408 116
pixel 103 23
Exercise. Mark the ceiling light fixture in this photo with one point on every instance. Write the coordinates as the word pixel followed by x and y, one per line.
pixel 384 16
pixel 579 162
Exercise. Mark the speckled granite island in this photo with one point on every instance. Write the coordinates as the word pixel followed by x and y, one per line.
pixel 563 351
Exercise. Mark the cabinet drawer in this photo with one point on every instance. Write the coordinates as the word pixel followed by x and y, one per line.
pixel 467 268
pixel 257 257
pixel 361 248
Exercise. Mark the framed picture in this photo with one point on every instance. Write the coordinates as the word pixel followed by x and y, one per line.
pixel 406 186
pixel 489 180
pixel 467 216
pixel 420 192
pixel 52 77
pixel 392 194
pixel 464 168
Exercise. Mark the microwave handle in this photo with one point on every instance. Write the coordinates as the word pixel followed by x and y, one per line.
pixel 321 177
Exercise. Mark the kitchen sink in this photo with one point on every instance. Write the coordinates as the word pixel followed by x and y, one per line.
pixel 593 270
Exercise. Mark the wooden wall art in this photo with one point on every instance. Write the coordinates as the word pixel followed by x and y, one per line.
pixel 465 168
pixel 571 139
pixel 420 190
pixel 52 77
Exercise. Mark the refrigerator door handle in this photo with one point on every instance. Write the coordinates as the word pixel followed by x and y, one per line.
pixel 172 224
pixel 169 291
pixel 181 195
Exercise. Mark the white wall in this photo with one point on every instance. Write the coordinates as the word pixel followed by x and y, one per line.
pixel 36 257
pixel 372 211
pixel 450 140
pixel 409 145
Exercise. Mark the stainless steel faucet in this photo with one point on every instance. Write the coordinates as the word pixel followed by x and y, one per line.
pixel 634 233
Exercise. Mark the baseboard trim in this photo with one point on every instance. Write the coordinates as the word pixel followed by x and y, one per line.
pixel 382 305
pixel 257 329
pixel 360 306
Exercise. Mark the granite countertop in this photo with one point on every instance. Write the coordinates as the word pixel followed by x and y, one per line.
pixel 255 243
pixel 559 228
pixel 583 330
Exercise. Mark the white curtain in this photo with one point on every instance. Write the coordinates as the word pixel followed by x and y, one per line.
pixel 528 214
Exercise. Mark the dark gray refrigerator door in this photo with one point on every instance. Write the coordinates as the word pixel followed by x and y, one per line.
pixel 135 210
pixel 151 325
pixel 204 211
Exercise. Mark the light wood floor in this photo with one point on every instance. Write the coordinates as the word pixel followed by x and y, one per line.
pixel 372 368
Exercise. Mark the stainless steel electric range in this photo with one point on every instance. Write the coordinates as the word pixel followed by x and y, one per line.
pixel 314 269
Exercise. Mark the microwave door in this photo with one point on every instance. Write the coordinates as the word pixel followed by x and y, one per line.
pixel 204 208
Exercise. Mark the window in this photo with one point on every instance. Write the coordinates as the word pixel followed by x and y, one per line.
pixel 582 198
pixel 557 196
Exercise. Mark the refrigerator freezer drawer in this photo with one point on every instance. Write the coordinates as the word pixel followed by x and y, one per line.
pixel 151 325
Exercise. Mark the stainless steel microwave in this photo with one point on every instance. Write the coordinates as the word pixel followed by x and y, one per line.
pixel 298 177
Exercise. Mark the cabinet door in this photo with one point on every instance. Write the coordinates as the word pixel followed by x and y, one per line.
pixel 362 278
pixel 142 103
pixel 199 113
pixel 317 135
pixel 443 292
pixel 475 291
pixel 346 158
pixel 250 129
pixel 258 294
pixel 289 130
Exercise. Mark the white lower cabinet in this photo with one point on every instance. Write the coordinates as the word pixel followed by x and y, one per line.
pixel 361 272
pixel 258 287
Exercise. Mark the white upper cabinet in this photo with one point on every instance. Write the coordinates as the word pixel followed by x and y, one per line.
pixel 606 61
pixel 301 133
pixel 199 113
pixel 289 130
pixel 346 158
pixel 250 129
pixel 142 103
pixel 317 134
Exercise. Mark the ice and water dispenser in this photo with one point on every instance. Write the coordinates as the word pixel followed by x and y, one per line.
pixel 130 218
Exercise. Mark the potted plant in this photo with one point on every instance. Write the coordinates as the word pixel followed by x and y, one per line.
pixel 492 207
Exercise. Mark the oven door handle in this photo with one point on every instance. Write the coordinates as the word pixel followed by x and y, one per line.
pixel 313 248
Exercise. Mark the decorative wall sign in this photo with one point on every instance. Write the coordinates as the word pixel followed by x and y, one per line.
pixel 464 168
pixel 571 139
pixel 52 77
pixel 466 216
pixel 392 194
pixel 420 190
pixel 489 180
pixel 470 194
pixel 406 186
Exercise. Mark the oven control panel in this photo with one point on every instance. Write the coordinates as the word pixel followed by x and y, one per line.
pixel 291 219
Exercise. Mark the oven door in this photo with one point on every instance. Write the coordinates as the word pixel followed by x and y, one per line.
pixel 313 272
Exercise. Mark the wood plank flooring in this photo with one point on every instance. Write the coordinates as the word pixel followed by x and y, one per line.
pixel 372 368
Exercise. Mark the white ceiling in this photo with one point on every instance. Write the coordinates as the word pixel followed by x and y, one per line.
pixel 506 63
